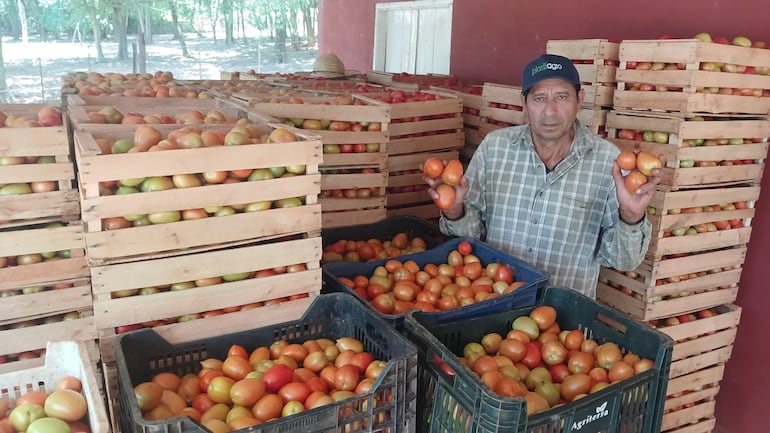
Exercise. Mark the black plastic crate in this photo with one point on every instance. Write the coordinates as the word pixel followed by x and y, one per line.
pixel 521 297
pixel 143 353
pixel 457 400
pixel 386 229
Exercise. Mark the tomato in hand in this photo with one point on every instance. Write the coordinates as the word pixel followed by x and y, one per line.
pixel 446 196
pixel 432 167
pixel 626 160
pixel 452 173
pixel 634 180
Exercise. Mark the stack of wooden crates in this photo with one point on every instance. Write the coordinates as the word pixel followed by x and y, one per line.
pixel 713 130
pixel 45 284
pixel 239 245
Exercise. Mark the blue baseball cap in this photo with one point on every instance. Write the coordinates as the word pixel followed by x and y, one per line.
pixel 549 66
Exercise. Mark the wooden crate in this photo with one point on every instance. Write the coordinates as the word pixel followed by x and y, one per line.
pixel 343 212
pixel 324 108
pixel 690 401
pixel 34 208
pixel 676 298
pixel 423 126
pixel 412 179
pixel 64 358
pixel 165 306
pixel 596 62
pixel 719 218
pixel 136 101
pixel 63 258
pixel 682 87
pixel 595 119
pixel 701 341
pixel 78 114
pixel 178 333
pixel 697 166
pixel 408 81
pixel 139 243
pixel 31 333
pixel 503 104
pixel 595 59
pixel 340 211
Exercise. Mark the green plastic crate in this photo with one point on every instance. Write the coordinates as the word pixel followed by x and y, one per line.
pixel 453 399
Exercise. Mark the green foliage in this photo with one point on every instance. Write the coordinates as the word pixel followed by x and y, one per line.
pixel 60 18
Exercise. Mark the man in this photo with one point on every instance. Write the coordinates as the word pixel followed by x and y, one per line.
pixel 550 192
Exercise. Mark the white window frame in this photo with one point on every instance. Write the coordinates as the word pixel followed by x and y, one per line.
pixel 380 25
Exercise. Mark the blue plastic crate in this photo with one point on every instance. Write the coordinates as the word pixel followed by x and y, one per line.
pixel 522 297
pixel 456 399
pixel 386 229
pixel 389 406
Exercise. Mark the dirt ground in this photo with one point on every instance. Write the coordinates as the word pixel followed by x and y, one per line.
pixel 34 70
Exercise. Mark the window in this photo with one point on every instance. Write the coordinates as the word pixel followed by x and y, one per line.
pixel 414 37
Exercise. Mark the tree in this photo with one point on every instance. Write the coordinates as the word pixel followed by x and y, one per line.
pixel 91 8
pixel 309 10
pixel 178 33
pixel 227 14
pixel 23 21
pixel 120 23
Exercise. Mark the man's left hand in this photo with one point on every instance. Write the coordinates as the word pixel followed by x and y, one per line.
pixel 633 206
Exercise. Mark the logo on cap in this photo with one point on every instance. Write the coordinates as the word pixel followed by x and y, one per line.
pixel 547 66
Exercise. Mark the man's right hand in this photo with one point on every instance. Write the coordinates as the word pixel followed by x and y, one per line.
pixel 457 210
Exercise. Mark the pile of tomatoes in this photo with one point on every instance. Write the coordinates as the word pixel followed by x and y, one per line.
pixel 546 365
pixel 450 174
pixel 270 382
pixel 63 410
pixel 396 287
pixel 373 249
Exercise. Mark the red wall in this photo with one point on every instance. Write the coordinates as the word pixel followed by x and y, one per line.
pixel 492 40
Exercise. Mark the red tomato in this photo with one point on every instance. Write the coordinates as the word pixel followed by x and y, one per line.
pixel 277 376
pixel 464 248
pixel 362 360
pixel 202 403
pixel 452 173
pixel 504 273
pixel 384 303
pixel 346 377
pixel 533 355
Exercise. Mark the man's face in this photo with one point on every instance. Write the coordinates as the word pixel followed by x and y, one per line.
pixel 551 107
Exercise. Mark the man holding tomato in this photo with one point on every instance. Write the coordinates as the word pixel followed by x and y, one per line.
pixel 550 192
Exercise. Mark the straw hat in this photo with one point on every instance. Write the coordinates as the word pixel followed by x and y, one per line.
pixel 328 65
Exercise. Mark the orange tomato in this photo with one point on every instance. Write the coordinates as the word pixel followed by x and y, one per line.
pixel 626 160
pixel 452 173
pixel 167 380
pixel 432 167
pixel 634 180
pixel 446 197
pixel 544 316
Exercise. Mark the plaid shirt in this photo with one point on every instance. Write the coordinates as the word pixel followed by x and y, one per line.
pixel 565 221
